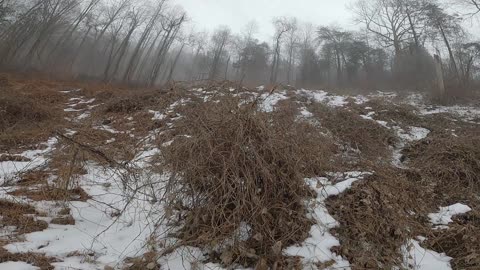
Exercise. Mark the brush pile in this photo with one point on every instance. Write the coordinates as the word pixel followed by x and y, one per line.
pixel 238 186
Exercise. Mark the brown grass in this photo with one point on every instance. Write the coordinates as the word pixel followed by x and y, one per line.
pixel 29 111
pixel 47 193
pixel 450 164
pixel 236 166
pixel 364 140
pixel 461 241
pixel 36 259
pixel 400 114
pixel 376 217
pixel 15 214
pixel 67 220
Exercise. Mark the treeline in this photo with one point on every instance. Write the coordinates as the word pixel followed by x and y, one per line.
pixel 152 42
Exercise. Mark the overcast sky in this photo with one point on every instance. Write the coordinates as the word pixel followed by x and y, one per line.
pixel 208 14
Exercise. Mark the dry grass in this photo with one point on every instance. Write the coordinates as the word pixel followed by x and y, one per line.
pixel 365 140
pixel 29 112
pixel 451 165
pixel 18 215
pixel 48 193
pixel 236 167
pixel 377 216
pixel 400 114
pixel 36 259
pixel 461 241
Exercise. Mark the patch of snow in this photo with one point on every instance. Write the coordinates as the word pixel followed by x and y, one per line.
pixel 9 169
pixel 419 258
pixel 317 248
pixel 361 100
pixel 321 96
pixel 70 91
pixel 337 101
pixel 270 101
pixel 157 115
pixel 107 128
pixel 71 110
pixel 17 266
pixel 305 113
pixel 444 216
pixel 368 116
pixel 99 228
pixel 83 116
pixel 413 134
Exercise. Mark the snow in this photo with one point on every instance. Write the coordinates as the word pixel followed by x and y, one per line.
pixel 17 266
pixel 419 258
pixel 83 116
pixel 320 96
pixel 317 248
pixel 413 134
pixel 157 115
pixel 444 216
pixel 10 169
pixel 305 113
pixel 107 128
pixel 97 230
pixel 270 101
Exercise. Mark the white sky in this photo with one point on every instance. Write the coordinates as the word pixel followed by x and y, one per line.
pixel 208 14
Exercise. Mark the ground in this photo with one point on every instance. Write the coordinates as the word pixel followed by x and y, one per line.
pixel 388 180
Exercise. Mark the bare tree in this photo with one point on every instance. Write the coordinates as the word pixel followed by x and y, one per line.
pixel 171 26
pixel 292 45
pixel 446 26
pixel 282 26
pixel 134 59
pixel 336 39
pixel 219 39
pixel 471 4
pixel 386 19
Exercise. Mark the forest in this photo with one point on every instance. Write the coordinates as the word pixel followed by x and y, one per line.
pixel 153 42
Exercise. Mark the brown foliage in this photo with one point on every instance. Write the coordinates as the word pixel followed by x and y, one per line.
pixel 367 140
pixel 461 241
pixel 450 164
pixel 35 259
pixel 233 166
pixel 47 193
pixel 376 217
pixel 29 111
pixel 18 215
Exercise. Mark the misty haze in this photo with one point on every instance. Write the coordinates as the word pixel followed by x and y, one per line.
pixel 248 134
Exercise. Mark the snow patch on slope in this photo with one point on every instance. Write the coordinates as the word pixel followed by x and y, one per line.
pixel 419 258
pixel 444 216
pixel 317 248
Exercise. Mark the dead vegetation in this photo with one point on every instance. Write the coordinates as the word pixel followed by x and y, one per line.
pixel 450 164
pixel 50 193
pixel 376 217
pixel 238 180
pixel 364 141
pixel 237 189
pixel 18 215
pixel 461 241
pixel 36 259
pixel 29 111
